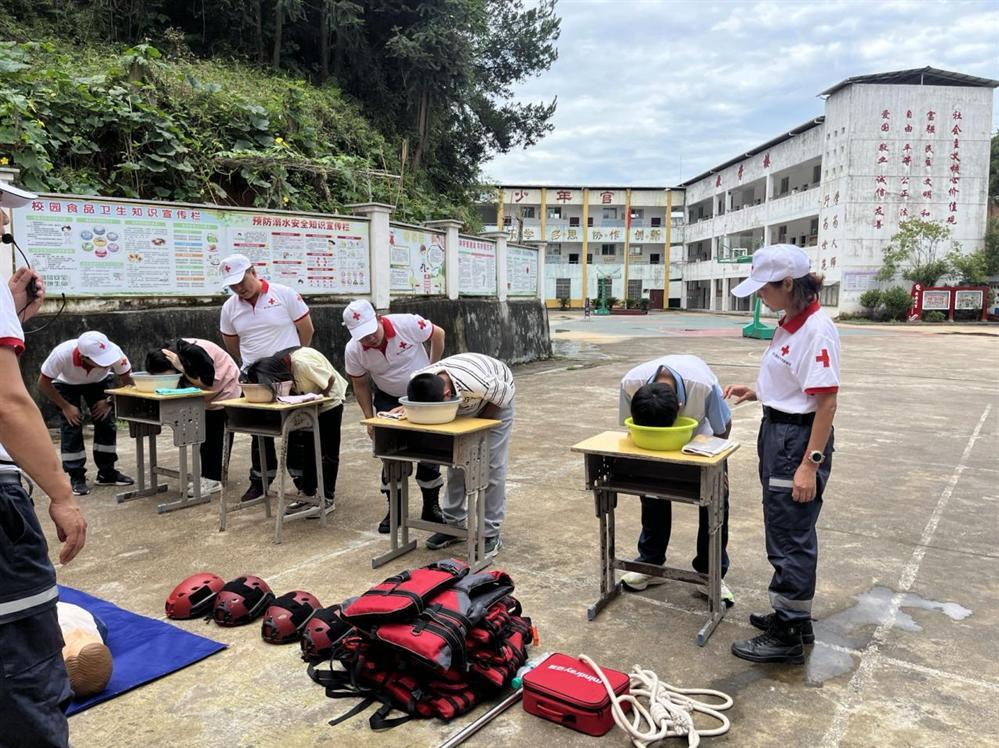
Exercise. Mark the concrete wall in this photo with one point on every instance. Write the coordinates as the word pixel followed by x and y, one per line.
pixel 514 331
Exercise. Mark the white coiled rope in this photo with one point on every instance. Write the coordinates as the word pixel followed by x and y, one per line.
pixel 669 710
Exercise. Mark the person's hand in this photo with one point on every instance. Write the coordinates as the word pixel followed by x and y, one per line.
pixel 371 431
pixel 72 414
pixel 18 285
pixel 740 392
pixel 70 526
pixel 101 410
pixel 803 489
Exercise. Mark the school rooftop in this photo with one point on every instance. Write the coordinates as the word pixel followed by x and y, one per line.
pixel 906 603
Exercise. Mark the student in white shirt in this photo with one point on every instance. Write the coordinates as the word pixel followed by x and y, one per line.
pixel 486 389
pixel 696 394
pixel 797 385
pixel 78 371
pixel 260 319
pixel 384 350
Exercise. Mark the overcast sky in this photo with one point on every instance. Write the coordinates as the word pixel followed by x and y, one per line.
pixel 652 92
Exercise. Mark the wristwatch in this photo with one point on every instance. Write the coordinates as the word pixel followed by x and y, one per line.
pixel 816 457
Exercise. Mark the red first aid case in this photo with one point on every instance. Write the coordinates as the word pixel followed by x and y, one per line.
pixel 566 691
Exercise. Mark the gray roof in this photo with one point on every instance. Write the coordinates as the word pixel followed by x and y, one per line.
pixel 917 77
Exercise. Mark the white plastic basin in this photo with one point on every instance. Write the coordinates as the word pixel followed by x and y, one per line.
pixel 430 413
pixel 146 382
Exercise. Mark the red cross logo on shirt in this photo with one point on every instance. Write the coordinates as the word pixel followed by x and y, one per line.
pixel 403 345
pixel 272 301
pixel 824 358
pixel 422 323
pixel 785 350
pixel 357 315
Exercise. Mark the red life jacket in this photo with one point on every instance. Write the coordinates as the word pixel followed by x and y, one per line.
pixel 403 596
pixel 464 646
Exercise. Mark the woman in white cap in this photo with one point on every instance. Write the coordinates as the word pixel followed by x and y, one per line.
pixel 797 384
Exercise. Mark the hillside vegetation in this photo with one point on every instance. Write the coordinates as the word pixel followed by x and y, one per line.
pixel 175 101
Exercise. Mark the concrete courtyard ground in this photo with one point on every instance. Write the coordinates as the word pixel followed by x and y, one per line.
pixel 907 622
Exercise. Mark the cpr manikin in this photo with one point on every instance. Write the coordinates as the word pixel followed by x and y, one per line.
pixel 87 657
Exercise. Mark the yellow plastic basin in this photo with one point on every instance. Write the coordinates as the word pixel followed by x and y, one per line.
pixel 662 438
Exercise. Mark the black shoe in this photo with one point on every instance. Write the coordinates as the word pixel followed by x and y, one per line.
pixel 385 525
pixel 493 545
pixel 432 511
pixel 255 491
pixel 442 540
pixel 764 622
pixel 780 643
pixel 114 478
pixel 80 487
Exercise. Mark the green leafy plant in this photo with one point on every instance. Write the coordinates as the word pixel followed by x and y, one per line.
pixel 870 300
pixel 896 302
pixel 563 302
pixel 934 315
pixel 913 251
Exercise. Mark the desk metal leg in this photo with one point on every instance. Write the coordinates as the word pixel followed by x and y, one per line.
pixel 265 498
pixel 183 476
pixel 398 481
pixel 713 482
pixel 605 502
pixel 317 446
pixel 143 490
pixel 282 461
pixel 226 453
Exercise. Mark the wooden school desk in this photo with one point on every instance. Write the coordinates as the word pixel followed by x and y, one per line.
pixel 273 419
pixel 462 445
pixel 614 465
pixel 146 414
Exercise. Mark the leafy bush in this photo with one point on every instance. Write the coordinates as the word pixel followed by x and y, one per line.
pixel 871 299
pixel 896 302
pixel 611 301
pixel 563 302
pixel 643 304
pixel 934 315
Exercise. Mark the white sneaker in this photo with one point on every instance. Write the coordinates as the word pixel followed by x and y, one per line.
pixel 636 581
pixel 727 596
pixel 208 487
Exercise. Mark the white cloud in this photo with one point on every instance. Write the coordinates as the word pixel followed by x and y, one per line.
pixel 657 92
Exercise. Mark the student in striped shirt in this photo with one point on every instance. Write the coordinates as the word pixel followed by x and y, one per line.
pixel 486 389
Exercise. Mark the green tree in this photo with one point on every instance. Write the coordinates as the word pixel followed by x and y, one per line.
pixel 913 252
pixel 994 168
pixel 991 247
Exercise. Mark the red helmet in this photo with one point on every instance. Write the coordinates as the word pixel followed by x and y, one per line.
pixel 321 632
pixel 285 618
pixel 194 596
pixel 241 601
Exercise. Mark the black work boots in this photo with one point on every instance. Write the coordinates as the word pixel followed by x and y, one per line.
pixel 431 511
pixel 764 622
pixel 781 642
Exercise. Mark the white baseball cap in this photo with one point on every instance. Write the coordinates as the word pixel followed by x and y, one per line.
pixel 773 263
pixel 100 350
pixel 359 317
pixel 14 197
pixel 233 268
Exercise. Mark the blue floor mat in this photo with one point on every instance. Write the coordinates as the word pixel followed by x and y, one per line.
pixel 143 649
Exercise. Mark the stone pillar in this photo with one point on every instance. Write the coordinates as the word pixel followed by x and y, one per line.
pixel 542 279
pixel 452 274
pixel 500 238
pixel 378 237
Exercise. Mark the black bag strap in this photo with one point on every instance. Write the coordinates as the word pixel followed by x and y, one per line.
pixel 379 721
pixel 353 711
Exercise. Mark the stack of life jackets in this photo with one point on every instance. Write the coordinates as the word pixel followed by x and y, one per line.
pixel 431 642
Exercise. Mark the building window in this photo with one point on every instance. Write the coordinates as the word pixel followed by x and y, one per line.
pixel 555 212
pixel 573 221
pixel 829 295
pixel 635 288
pixel 608 250
pixel 589 258
pixel 654 258
pixel 610 214
pixel 507 221
pixel 527 212
pixel 574 258
pixel 589 221
pixel 637 214
pixel 656 221
pixel 563 288
pixel 785 185
pixel 816 173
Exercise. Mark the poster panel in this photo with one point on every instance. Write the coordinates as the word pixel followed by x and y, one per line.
pixel 936 300
pixel 87 246
pixel 968 300
pixel 476 267
pixel 416 259
pixel 521 271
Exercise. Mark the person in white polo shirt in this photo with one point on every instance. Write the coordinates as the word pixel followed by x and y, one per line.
pixel 77 371
pixel 258 320
pixel 386 350
pixel 485 386
pixel 798 384
pixel 35 689
pixel 698 396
